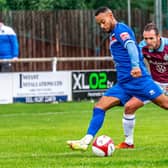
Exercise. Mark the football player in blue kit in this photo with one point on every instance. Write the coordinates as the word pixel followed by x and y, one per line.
pixel 133 80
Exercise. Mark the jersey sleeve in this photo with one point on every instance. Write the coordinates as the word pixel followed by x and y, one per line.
pixel 124 35
pixel 133 53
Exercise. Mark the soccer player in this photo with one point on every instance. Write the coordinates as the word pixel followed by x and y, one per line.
pixel 155 50
pixel 133 79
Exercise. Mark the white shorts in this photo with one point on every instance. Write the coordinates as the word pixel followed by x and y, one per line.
pixel 163 86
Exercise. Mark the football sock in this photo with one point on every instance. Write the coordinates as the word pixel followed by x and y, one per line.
pixel 128 125
pixel 87 139
pixel 96 121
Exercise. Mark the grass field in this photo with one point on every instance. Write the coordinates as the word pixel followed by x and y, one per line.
pixel 34 136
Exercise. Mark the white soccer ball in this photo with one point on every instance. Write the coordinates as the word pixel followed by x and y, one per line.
pixel 103 146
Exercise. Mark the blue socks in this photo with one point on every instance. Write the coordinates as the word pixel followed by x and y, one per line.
pixel 96 122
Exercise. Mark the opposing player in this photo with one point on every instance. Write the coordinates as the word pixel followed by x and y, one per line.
pixel 133 80
pixel 155 50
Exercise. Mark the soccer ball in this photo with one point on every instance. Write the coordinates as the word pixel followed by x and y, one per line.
pixel 103 146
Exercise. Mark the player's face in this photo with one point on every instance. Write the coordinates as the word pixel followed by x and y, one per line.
pixel 152 40
pixel 105 21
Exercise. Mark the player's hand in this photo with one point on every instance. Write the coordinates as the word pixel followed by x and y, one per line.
pixel 136 72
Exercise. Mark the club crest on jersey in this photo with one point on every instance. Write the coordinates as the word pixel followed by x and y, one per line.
pixel 161 68
pixel 124 36
pixel 112 39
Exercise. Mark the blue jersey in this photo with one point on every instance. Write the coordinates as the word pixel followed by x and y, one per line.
pixel 143 88
pixel 119 38
pixel 8 43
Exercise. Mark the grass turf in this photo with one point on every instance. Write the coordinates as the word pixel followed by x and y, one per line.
pixel 34 136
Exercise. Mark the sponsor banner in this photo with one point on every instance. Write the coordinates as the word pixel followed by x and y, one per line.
pixel 91 84
pixel 6 88
pixel 42 86
pixel 40 99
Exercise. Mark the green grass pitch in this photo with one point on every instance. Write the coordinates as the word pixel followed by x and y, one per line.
pixel 35 135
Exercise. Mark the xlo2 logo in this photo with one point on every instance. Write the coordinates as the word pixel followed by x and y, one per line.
pixel 89 80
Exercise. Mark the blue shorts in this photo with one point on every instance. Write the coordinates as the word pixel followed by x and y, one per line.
pixel 141 88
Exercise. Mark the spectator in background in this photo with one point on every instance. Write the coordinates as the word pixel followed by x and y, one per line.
pixel 9 48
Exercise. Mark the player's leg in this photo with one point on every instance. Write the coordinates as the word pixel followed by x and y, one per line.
pixel 161 101
pixel 151 91
pixel 111 98
pixel 154 93
pixel 96 122
pixel 128 122
pixel 99 113
pixel 164 87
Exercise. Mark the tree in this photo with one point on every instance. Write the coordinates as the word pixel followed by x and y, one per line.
pixel 45 4
pixel 73 4
pixel 3 5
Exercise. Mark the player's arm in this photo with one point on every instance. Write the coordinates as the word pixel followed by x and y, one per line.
pixel 141 45
pixel 134 56
pixel 147 65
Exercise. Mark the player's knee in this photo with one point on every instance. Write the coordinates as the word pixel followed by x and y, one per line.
pixel 130 108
